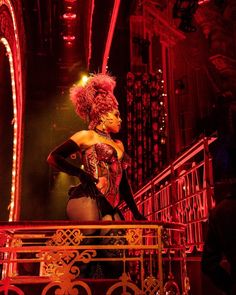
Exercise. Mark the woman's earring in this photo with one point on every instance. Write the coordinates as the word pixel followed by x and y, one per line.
pixel 103 126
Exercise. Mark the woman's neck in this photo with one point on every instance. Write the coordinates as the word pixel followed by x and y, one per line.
pixel 102 133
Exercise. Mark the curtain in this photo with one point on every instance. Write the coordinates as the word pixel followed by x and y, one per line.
pixel 146 125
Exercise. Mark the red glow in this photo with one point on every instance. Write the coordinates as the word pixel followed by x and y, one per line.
pixel 184 4
pixel 69 38
pixel 110 34
pixel 200 2
pixel 69 16
pixel 69 44
pixel 90 31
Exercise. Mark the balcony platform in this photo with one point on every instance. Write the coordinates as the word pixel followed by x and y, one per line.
pixel 58 258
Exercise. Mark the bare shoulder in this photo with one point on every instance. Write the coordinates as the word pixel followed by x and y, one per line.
pixel 84 137
pixel 120 144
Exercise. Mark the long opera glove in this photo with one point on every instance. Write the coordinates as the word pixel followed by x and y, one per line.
pixel 127 196
pixel 57 159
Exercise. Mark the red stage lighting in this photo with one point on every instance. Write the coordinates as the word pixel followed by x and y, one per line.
pixel 69 16
pixel 69 38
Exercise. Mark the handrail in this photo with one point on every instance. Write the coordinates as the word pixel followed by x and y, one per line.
pixel 62 257
pixel 182 192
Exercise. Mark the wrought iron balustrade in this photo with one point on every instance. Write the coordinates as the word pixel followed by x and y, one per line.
pixel 112 258
pixel 182 192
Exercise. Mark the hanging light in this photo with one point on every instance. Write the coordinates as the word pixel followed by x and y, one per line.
pixel 69 38
pixel 69 16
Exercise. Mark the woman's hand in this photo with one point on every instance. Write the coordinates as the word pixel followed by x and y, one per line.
pixel 88 183
pixel 86 178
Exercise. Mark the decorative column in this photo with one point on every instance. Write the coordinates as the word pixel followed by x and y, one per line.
pixel 150 92
pixel 160 23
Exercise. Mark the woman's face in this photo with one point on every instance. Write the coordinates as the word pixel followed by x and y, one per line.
pixel 112 121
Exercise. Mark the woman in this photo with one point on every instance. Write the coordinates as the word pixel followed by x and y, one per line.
pixel 103 182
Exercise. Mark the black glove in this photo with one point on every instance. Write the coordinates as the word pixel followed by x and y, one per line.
pixel 127 195
pixel 139 216
pixel 57 159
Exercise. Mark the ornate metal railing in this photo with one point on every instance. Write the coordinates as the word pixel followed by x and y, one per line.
pixel 59 258
pixel 182 192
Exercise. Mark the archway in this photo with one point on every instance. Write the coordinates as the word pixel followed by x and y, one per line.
pixel 6 134
pixel 11 103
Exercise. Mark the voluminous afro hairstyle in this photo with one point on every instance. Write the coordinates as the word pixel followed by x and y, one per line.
pixel 95 98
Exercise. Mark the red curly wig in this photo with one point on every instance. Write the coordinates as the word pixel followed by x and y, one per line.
pixel 94 99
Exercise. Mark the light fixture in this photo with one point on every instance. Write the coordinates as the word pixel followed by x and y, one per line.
pixel 69 16
pixel 69 38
